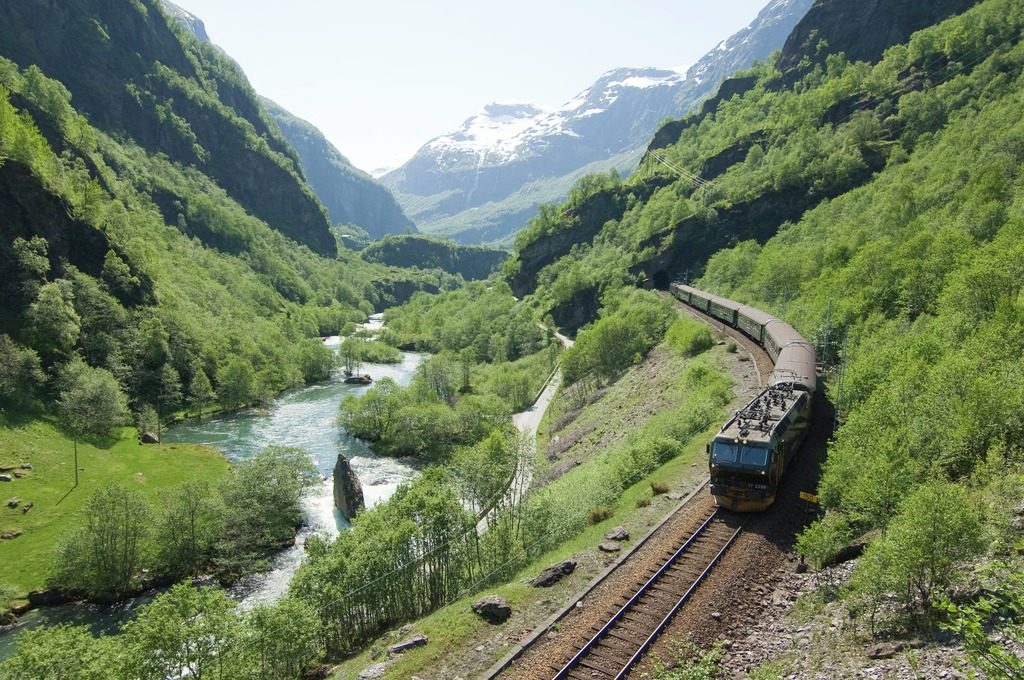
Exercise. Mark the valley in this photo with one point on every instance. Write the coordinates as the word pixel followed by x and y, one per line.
pixel 265 416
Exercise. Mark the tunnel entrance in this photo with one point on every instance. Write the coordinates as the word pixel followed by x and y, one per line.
pixel 661 279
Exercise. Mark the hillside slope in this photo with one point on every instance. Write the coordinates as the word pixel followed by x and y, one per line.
pixel 119 256
pixel 350 195
pixel 876 207
pixel 133 74
pixel 480 183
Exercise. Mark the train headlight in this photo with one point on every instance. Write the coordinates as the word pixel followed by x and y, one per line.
pixel 764 472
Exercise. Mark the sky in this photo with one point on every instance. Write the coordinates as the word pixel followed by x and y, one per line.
pixel 383 77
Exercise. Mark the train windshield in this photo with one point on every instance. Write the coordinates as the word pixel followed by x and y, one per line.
pixel 726 453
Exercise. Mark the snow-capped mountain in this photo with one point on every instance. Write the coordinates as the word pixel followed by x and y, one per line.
pixel 480 183
pixel 504 133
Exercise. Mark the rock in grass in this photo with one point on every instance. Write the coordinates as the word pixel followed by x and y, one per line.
pixel 373 672
pixel 6 478
pixel 493 609
pixel 553 574
pixel 617 534
pixel 149 438
pixel 609 547
pixel 411 643
pixel 12 503
pixel 10 534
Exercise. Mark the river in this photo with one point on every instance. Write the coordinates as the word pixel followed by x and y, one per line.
pixel 304 417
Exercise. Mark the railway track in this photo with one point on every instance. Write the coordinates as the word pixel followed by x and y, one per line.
pixel 618 644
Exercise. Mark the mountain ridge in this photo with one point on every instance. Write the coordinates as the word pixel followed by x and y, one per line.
pixel 469 184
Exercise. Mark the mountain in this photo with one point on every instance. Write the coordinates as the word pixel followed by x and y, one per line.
pixel 350 195
pixel 480 183
pixel 154 223
pixel 868 188
pixel 129 72
pixel 430 252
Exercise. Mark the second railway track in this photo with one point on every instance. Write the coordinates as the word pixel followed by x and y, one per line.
pixel 618 644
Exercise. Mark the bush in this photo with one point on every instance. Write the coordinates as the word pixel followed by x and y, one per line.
pixel 823 540
pixel 659 487
pixel 599 514
pixel 689 337
pixel 934 532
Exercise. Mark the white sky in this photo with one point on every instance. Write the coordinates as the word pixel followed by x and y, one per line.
pixel 381 78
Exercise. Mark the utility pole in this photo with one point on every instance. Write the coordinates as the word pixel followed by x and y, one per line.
pixel 839 383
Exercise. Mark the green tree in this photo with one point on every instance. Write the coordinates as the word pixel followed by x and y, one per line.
pixel 104 556
pixel 117 275
pixel 372 416
pixel 91 401
pixel 188 525
pixel 316 361
pixel 485 470
pixel 200 391
pixel 236 383
pixel 263 497
pixel 53 323
pixel 20 373
pixel 933 533
pixel 185 632
pixel 62 652
pixel 33 263
pixel 992 625
pixel 282 639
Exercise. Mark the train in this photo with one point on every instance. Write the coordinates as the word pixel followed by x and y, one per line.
pixel 750 454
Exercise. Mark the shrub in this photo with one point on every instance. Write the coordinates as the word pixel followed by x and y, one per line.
pixel 689 337
pixel 659 487
pixel 598 514
pixel 934 532
pixel 823 540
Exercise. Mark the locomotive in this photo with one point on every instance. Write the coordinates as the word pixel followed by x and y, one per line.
pixel 752 450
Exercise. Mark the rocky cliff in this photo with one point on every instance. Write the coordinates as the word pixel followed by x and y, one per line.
pixel 348 493
pixel 350 195
pixel 862 30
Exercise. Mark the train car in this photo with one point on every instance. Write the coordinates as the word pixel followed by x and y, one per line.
pixel 748 457
pixel 700 300
pixel 752 321
pixel 723 309
pixel 680 292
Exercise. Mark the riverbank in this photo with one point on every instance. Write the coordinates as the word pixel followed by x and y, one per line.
pixel 41 502
pixel 203 450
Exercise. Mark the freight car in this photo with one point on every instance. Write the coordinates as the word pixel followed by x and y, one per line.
pixel 750 453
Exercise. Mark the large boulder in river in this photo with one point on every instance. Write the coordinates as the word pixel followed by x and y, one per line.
pixel 348 492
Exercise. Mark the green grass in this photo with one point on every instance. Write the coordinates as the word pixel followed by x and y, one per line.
pixel 455 629
pixel 49 486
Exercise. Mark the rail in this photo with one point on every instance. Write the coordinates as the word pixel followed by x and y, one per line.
pixel 615 660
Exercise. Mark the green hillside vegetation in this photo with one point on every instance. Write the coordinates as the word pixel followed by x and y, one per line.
pixel 137 289
pixel 137 74
pixel 425 252
pixel 157 304
pixel 895 192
